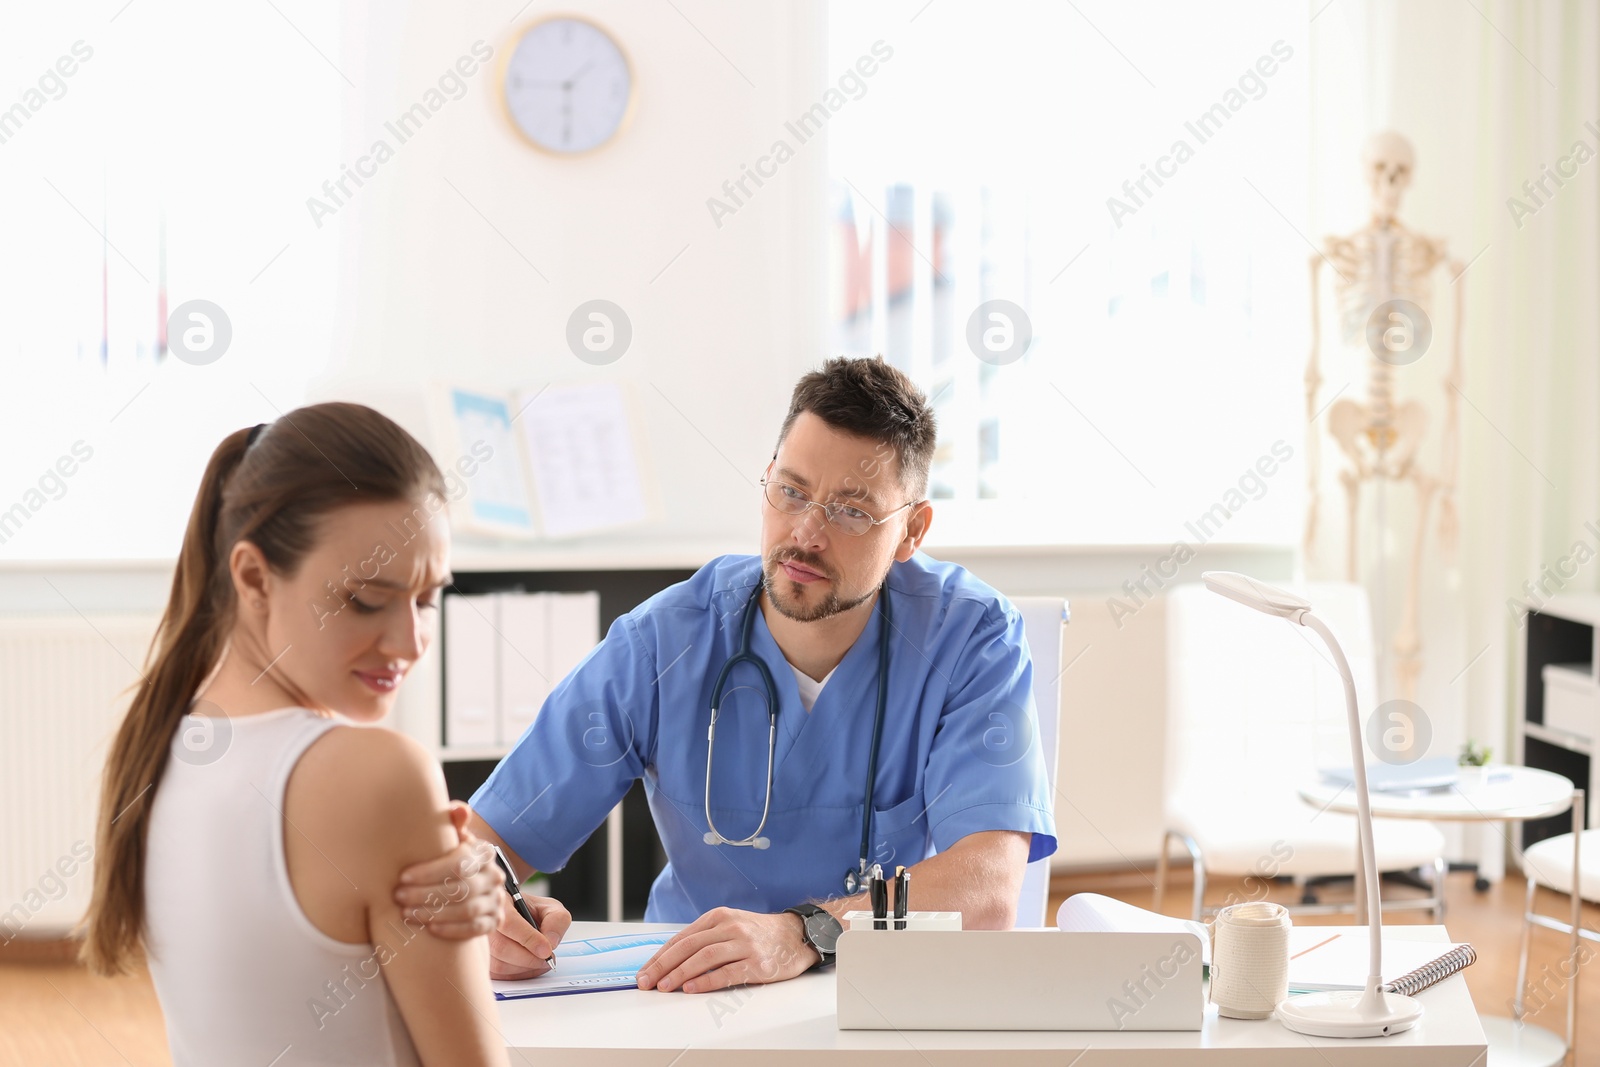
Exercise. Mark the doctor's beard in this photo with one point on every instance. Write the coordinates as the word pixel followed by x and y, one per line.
pixel 790 608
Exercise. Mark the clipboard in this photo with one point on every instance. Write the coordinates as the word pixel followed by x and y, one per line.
pixel 591 966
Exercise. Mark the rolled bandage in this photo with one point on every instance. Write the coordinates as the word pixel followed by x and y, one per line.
pixel 1250 960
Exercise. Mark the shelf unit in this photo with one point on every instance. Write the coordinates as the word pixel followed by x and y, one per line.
pixel 472 753
pixel 1560 719
pixel 609 876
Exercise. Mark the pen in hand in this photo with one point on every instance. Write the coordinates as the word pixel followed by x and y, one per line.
pixel 516 895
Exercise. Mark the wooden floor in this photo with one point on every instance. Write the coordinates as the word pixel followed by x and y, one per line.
pixel 53 1012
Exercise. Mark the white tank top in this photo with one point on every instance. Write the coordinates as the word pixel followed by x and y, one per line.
pixel 242 974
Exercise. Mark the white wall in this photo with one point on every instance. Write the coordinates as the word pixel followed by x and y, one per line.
pixel 445 248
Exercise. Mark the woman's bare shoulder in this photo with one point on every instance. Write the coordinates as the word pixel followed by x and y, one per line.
pixel 367 788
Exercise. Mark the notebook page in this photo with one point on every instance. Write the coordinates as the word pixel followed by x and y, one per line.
pixel 1092 913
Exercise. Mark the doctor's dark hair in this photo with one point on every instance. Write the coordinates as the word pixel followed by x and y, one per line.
pixel 869 398
pixel 271 485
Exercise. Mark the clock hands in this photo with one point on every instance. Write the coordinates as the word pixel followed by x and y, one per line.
pixel 565 86
pixel 566 100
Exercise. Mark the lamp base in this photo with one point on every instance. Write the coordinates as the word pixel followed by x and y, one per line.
pixel 1339 1014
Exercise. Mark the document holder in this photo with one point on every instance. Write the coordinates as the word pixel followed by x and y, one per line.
pixel 1018 980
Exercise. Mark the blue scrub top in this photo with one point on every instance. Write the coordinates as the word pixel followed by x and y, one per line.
pixel 959 755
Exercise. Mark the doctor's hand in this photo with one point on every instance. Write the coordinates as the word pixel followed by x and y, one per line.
pixel 726 947
pixel 517 950
pixel 458 895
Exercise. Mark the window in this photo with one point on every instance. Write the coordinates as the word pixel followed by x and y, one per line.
pixel 173 163
pixel 1029 154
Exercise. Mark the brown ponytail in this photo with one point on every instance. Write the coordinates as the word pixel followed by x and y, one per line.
pixel 270 491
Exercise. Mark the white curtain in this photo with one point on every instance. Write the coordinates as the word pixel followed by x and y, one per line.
pixel 1490 93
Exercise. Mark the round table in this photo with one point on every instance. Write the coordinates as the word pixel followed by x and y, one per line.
pixel 1501 794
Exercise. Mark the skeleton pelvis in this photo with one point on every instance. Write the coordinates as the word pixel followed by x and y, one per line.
pixel 1378 445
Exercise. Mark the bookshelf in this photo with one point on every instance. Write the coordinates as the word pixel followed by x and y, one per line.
pixel 1560 718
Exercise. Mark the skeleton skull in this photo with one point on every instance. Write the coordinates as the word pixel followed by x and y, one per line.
pixel 1388 162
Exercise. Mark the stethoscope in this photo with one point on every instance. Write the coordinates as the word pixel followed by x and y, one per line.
pixel 855 879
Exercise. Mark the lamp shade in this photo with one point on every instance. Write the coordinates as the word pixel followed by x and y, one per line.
pixel 1256 594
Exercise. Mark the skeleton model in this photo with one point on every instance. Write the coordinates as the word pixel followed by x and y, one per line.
pixel 1383 282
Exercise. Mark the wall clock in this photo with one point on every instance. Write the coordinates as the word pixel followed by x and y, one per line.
pixel 567 85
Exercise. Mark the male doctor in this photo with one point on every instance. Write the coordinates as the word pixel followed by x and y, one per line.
pixel 757 861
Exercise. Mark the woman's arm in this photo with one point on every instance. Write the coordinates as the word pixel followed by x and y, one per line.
pixel 373 801
pixel 472 863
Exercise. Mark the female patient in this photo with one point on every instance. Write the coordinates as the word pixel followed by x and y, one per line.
pixel 253 822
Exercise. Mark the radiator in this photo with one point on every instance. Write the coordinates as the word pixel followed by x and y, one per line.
pixel 64 686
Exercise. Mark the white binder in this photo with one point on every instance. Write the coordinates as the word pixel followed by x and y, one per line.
pixel 1018 980
pixel 470 675
pixel 574 631
pixel 525 674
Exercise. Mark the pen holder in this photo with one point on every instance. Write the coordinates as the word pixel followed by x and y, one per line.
pixel 1016 980
pixel 914 920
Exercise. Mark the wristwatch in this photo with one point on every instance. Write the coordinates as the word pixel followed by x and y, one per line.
pixel 821 931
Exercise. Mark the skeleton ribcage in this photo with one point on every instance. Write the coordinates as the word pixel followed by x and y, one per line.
pixel 1374 266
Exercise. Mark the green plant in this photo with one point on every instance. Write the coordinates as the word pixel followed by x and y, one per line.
pixel 1474 756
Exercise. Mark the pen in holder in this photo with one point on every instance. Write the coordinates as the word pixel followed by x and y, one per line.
pixel 914 920
pixel 878 893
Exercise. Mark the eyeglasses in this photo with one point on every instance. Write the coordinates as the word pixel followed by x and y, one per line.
pixel 847 519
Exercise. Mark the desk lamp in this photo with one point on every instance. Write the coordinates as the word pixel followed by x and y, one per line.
pixel 1341 1013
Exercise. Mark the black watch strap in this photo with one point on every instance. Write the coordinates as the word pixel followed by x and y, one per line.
pixel 820 929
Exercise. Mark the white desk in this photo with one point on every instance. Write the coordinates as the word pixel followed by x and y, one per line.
pixel 793 1023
